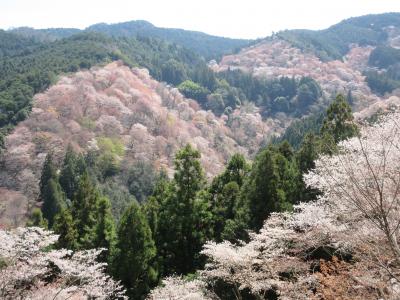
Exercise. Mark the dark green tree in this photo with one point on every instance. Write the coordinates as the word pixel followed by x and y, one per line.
pixel 53 200
pixel 339 120
pixel 105 236
pixel 224 197
pixel 48 172
pixel 135 251
pixel 84 212
pixel 182 228
pixel 73 167
pixel 65 227
pixel 224 209
pixel 264 191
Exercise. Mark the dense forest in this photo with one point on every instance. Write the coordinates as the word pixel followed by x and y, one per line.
pixel 254 231
pixel 333 42
pixel 33 69
pixel 163 233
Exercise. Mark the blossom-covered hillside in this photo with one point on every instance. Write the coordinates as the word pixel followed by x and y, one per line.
pixel 275 57
pixel 115 106
pixel 344 245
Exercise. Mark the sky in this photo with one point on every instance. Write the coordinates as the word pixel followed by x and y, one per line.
pixel 230 18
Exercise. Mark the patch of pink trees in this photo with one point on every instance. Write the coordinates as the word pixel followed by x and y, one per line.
pixel 31 269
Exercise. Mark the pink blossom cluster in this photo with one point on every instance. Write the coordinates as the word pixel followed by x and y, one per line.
pixel 32 269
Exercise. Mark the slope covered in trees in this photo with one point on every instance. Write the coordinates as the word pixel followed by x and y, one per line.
pixel 342 245
pixel 203 44
pixel 129 122
pixel 334 42
pixel 206 45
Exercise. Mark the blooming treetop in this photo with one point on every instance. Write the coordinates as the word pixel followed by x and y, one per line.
pixel 31 270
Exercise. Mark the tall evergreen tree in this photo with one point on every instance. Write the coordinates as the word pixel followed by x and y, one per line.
pixel 53 200
pixel 264 192
pixel 48 172
pixel 183 215
pixel 339 120
pixel 51 194
pixel 224 197
pixel 84 211
pixel 73 167
pixel 105 236
pixel 134 254
pixel 65 227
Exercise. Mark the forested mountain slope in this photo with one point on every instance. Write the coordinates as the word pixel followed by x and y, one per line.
pixel 357 55
pixel 125 115
pixel 239 104
pixel 203 44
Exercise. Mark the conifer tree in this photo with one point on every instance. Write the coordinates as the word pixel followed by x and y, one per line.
pixel 73 167
pixel 135 251
pixel 105 236
pixel 183 215
pixel 84 211
pixel 224 196
pixel 263 191
pixel 48 172
pixel 339 120
pixel 51 193
pixel 65 227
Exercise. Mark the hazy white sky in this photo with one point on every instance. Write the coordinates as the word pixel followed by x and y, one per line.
pixel 233 18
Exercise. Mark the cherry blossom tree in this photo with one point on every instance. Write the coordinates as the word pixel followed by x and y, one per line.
pixel 174 288
pixel 30 269
pixel 363 180
pixel 344 245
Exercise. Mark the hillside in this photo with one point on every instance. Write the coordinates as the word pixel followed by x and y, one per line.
pixel 149 120
pixel 350 62
pixel 139 162
pixel 335 42
pixel 206 45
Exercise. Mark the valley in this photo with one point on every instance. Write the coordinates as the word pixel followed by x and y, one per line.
pixel 173 164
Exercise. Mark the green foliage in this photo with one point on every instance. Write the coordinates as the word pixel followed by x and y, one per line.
pixel 84 212
pixel 73 168
pixel 384 57
pixel 296 131
pixel 205 45
pixel 119 196
pixel 135 253
pixel 141 178
pixel 224 191
pixel 382 82
pixel 289 95
pixel 108 160
pixel 36 219
pixel 184 215
pixel 173 72
pixel 193 90
pixel 339 120
pixel 333 43
pixel 105 236
pixel 51 194
pixel 53 200
pixel 265 192
pixel 64 226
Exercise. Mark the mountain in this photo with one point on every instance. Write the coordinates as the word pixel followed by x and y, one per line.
pixel 43 35
pixel 206 45
pixel 89 87
pixel 115 106
pixel 357 56
pixel 335 41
